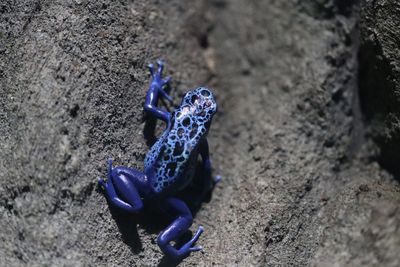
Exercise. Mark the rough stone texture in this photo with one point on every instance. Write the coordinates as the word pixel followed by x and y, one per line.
pixel 72 89
pixel 300 185
pixel 380 78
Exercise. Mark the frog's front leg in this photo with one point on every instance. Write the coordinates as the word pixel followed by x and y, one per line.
pixel 183 220
pixel 122 187
pixel 157 87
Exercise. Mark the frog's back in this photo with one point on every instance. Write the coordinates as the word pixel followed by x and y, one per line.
pixel 171 161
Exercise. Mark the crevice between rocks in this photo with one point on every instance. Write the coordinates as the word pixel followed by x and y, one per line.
pixel 378 88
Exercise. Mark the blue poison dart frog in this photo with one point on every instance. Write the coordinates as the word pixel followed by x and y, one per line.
pixel 169 165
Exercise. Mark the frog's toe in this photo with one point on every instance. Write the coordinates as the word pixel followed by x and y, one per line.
pixel 196 235
pixel 160 64
pixel 151 69
pixel 197 248
pixel 101 182
pixel 188 247
pixel 199 232
pixel 165 95
pixel 166 80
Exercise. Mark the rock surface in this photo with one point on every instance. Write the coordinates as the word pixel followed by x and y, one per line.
pixel 306 180
pixel 380 78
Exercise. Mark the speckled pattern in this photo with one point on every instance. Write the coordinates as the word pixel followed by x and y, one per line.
pixel 171 157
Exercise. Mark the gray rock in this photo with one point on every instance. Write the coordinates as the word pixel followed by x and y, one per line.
pixel 379 77
pixel 301 181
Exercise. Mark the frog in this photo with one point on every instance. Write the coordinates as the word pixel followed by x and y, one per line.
pixel 170 164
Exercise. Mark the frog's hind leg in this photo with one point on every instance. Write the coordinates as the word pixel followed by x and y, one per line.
pixel 130 201
pixel 183 220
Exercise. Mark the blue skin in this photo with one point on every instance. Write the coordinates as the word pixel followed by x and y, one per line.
pixel 170 163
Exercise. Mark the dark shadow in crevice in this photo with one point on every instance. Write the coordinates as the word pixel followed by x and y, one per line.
pixel 345 7
pixel 328 9
pixel 379 105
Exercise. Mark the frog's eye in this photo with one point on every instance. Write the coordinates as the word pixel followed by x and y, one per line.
pixel 205 92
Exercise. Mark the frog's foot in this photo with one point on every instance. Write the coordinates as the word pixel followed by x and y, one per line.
pixel 157 80
pixel 188 247
pixel 185 250
pixel 182 222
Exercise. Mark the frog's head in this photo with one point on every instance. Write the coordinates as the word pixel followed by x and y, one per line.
pixel 200 103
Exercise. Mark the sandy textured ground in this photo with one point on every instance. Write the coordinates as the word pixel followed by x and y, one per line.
pixel 303 138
